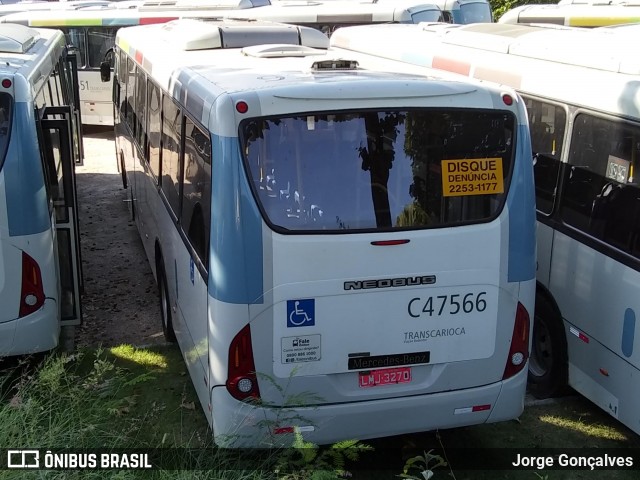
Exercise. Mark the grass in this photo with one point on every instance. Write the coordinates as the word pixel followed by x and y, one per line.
pixel 126 397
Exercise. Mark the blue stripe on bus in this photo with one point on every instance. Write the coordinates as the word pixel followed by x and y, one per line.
pixel 24 177
pixel 235 274
pixel 628 332
pixel 522 217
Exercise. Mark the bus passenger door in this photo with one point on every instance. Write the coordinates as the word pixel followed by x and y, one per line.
pixel 71 97
pixel 72 60
pixel 60 159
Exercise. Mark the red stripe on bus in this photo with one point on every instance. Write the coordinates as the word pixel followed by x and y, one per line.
pixel 152 20
pixel 443 63
pixel 138 57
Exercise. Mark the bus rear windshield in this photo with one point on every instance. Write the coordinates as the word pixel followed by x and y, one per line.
pixel 379 170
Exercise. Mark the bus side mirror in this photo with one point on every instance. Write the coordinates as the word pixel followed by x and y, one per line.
pixel 105 71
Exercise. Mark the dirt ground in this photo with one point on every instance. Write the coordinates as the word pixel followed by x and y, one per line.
pixel 120 302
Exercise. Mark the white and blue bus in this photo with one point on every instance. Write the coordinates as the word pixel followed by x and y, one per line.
pixel 39 144
pixel 362 236
pixel 582 91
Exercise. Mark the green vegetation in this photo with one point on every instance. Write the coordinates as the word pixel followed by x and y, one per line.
pixel 133 398
pixel 500 6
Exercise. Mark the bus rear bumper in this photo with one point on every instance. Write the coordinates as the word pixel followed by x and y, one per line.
pixel 38 332
pixel 252 426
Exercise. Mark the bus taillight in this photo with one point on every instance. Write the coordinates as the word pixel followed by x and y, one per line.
pixel 32 293
pixel 242 382
pixel 519 351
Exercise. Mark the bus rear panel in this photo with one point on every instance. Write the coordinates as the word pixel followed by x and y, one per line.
pixel 397 271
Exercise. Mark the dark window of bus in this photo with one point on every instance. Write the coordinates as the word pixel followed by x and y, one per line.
pixel 171 133
pixel 601 194
pixel 155 109
pixel 100 42
pixel 57 87
pixel 431 15
pixel 196 189
pixel 6 115
pixel 65 79
pixel 51 151
pixel 123 79
pixel 476 12
pixel 141 109
pixel 76 37
pixel 53 91
pixel 378 170
pixel 547 124
pixel 131 88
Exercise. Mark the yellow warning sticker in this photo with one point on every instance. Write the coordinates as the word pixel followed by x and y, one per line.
pixel 472 176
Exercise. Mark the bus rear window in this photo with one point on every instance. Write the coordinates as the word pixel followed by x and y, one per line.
pixel 379 170
pixel 6 114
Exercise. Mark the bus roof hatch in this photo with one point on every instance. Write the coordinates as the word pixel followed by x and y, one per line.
pixel 16 38
pixel 190 34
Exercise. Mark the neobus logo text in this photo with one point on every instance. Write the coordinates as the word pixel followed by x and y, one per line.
pixel 390 282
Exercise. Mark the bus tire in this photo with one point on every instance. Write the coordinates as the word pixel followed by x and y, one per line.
pixel 548 363
pixel 165 307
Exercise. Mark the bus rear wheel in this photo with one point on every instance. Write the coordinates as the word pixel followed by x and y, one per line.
pixel 165 306
pixel 548 364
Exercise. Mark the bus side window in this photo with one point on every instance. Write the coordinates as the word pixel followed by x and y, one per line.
pixel 601 195
pixel 123 79
pixel 171 133
pixel 154 105
pixel 547 124
pixel 196 190
pixel 141 110
pixel 131 88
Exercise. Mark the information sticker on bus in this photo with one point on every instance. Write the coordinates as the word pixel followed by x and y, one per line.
pixel 385 376
pixel 472 176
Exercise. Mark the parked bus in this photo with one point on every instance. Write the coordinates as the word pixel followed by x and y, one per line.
pixel 39 240
pixel 453 11
pixel 581 88
pixel 291 204
pixel 93 31
pixel 456 11
pixel 575 15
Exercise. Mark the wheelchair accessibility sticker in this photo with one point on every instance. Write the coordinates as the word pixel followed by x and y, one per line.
pixel 301 313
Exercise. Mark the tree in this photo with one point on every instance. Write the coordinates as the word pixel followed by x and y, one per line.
pixel 499 7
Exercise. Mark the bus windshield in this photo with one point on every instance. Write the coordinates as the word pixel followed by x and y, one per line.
pixel 379 170
pixel 6 102
pixel 479 12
